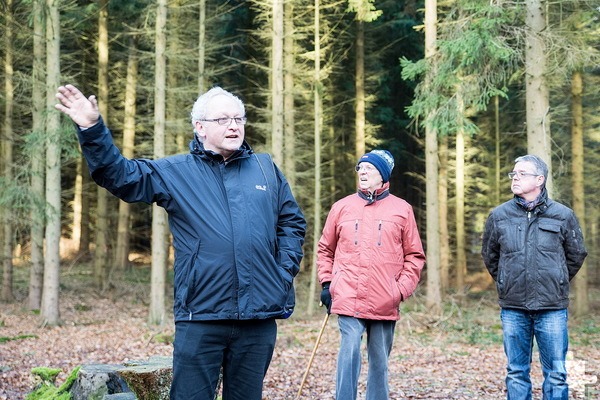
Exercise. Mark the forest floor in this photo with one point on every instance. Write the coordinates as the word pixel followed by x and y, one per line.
pixel 455 355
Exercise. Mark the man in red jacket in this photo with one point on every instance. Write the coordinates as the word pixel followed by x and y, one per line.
pixel 370 259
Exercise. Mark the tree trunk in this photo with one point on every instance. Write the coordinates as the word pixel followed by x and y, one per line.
pixel 50 313
pixel 77 204
pixel 175 83
pixel 101 252
pixel 124 219
pixel 7 138
pixel 582 304
pixel 318 122
pixel 443 210
pixel 81 208
pixel 202 47
pixel 277 118
pixel 289 165
pixel 86 183
pixel 434 295
pixel 497 150
pixel 536 93
pixel 159 218
pixel 461 256
pixel 359 83
pixel 36 273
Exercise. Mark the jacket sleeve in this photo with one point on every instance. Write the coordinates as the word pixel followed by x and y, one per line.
pixel 129 180
pixel 575 251
pixel 490 248
pixel 326 248
pixel 414 257
pixel 291 228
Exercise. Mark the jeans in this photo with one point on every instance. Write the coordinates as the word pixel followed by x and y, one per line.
pixel 551 335
pixel 380 336
pixel 242 348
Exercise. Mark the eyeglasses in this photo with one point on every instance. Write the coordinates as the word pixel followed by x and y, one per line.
pixel 519 174
pixel 227 120
pixel 366 167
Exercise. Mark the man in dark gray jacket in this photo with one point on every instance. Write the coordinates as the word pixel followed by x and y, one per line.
pixel 533 247
pixel 237 233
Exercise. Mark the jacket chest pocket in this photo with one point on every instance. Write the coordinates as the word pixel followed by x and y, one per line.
pixel 549 236
pixel 511 237
pixel 387 236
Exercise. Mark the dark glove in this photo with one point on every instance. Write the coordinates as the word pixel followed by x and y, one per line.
pixel 326 297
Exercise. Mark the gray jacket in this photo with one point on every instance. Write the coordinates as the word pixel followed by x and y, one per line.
pixel 532 255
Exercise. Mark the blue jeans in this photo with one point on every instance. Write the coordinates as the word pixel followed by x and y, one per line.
pixel 242 348
pixel 380 336
pixel 551 335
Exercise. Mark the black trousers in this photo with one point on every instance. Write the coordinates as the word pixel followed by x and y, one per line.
pixel 242 348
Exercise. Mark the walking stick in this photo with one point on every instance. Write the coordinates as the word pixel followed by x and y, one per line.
pixel 312 356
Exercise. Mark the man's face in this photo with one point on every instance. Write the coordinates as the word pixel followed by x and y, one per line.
pixel 222 139
pixel 369 177
pixel 526 183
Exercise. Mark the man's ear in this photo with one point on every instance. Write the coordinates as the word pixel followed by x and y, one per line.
pixel 540 181
pixel 199 129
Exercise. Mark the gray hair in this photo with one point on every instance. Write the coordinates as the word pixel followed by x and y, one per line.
pixel 199 109
pixel 540 166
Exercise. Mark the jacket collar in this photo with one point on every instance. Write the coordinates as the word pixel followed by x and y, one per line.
pixel 378 194
pixel 540 204
pixel 197 148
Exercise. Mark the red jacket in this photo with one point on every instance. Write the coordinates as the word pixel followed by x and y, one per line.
pixel 371 252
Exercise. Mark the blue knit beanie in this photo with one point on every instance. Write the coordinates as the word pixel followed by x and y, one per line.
pixel 382 160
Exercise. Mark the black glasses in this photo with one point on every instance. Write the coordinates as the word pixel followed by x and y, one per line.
pixel 520 174
pixel 227 120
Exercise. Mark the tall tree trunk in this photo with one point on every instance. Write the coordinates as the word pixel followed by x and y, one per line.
pixel 159 218
pixel 277 118
pixel 124 220
pixel 359 84
pixel 582 304
pixel 318 122
pixel 536 93
pixel 7 138
pixel 175 71
pixel 80 233
pixel 461 256
pixel 289 165
pixel 50 313
pixel 434 295
pixel 202 47
pixel 36 273
pixel 497 149
pixel 86 183
pixel 443 210
pixel 101 252
pixel 77 204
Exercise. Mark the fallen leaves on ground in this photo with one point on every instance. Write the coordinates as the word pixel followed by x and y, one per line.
pixel 457 356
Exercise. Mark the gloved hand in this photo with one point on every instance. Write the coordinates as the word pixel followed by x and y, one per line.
pixel 326 297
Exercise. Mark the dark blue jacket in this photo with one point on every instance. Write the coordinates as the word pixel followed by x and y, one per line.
pixel 532 255
pixel 237 229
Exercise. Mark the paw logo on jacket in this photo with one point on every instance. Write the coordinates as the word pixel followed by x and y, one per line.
pixel 261 187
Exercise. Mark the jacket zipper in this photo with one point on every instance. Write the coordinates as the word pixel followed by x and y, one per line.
pixel 356 232
pixel 379 233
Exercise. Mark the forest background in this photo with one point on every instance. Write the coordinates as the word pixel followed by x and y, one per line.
pixel 455 90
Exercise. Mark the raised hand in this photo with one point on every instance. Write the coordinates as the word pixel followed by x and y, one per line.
pixel 83 111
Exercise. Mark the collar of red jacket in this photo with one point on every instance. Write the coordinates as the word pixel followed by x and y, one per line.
pixel 379 194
